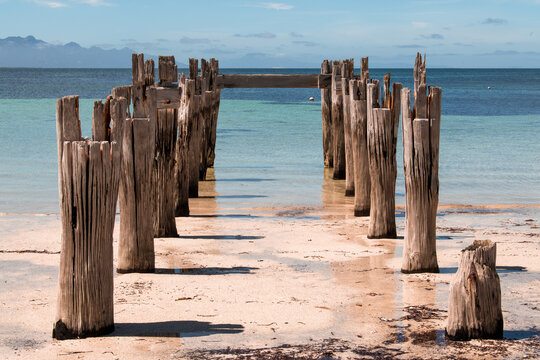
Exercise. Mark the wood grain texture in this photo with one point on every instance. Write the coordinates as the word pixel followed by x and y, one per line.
pixel 382 170
pixel 168 97
pixel 338 135
pixel 326 114
pixel 362 181
pixel 89 185
pixel 193 136
pixel 163 176
pixel 474 309
pixel 420 163
pixel 419 73
pixel 181 204
pixel 136 242
pixel 137 69
pixel 193 68
pixel 167 70
pixel 149 72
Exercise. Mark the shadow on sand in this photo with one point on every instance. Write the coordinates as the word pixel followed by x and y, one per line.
pixel 175 329
pixel 208 270
pixel 222 237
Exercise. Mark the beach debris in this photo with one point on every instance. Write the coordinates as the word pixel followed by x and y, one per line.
pixel 474 309
pixel 311 98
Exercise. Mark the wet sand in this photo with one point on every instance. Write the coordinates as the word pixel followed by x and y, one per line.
pixel 277 282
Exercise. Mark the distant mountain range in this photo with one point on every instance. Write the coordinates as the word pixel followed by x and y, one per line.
pixel 16 51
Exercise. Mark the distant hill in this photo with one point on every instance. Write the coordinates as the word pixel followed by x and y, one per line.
pixel 16 51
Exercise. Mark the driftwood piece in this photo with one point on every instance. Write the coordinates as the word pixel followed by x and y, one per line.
pixel 338 135
pixel 421 163
pixel 362 181
pixel 474 309
pixel 326 113
pixel 167 70
pixel 163 177
pixel 382 170
pixel 136 243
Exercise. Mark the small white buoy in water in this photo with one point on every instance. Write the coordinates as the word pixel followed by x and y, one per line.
pixel 311 98
pixel 489 87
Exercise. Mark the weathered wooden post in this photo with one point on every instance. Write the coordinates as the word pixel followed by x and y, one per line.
pixel 194 128
pixel 136 243
pixel 347 73
pixel 216 97
pixel 326 111
pixel 474 309
pixel 205 112
pixel 182 162
pixel 163 178
pixel 382 126
pixel 421 129
pixel 337 123
pixel 88 182
pixel 362 181
pixel 419 73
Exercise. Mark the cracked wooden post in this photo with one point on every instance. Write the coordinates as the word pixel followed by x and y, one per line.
pixel 182 163
pixel 326 114
pixel 163 178
pixel 474 309
pixel 88 183
pixel 382 168
pixel 419 73
pixel 347 73
pixel 362 181
pixel 136 243
pixel 216 98
pixel 205 111
pixel 338 136
pixel 194 128
pixel 421 129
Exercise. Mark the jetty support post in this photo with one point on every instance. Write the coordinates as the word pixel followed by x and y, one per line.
pixel 216 98
pixel 326 114
pixel 206 117
pixel 381 138
pixel 337 123
pixel 182 156
pixel 89 179
pixel 163 177
pixel 421 129
pixel 362 181
pixel 194 127
pixel 346 74
pixel 474 309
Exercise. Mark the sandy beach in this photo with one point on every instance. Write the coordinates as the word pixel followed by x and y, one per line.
pixel 277 282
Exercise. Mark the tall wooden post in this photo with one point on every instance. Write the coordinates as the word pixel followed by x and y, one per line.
pixel 347 73
pixel 474 309
pixel 193 134
pixel 421 130
pixel 216 96
pixel 182 162
pixel 419 73
pixel 136 243
pixel 362 181
pixel 163 179
pixel 88 181
pixel 338 135
pixel 326 111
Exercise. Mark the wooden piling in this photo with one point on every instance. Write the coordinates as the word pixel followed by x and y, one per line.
pixel 326 114
pixel 419 73
pixel 193 136
pixel 182 163
pixel 362 181
pixel 421 130
pixel 136 243
pixel 216 96
pixel 348 71
pixel 88 183
pixel 338 136
pixel 167 70
pixel 382 169
pixel 474 309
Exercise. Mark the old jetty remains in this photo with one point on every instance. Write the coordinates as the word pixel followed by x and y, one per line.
pixel 153 141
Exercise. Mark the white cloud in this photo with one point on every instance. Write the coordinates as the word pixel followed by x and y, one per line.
pixel 94 2
pixel 51 4
pixel 276 6
pixel 419 24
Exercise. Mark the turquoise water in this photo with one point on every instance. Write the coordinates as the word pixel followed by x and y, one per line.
pixel 269 149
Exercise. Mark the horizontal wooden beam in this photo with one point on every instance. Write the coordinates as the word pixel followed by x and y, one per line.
pixel 168 97
pixel 274 81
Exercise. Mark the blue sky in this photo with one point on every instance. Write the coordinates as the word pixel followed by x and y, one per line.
pixel 453 33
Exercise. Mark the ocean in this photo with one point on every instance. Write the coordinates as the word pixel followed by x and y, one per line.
pixel 269 141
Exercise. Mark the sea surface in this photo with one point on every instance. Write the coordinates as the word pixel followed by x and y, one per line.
pixel 269 141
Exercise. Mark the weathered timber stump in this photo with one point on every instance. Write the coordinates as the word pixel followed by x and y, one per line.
pixel 89 180
pixel 474 309
pixel 382 170
pixel 347 73
pixel 194 138
pixel 163 178
pixel 326 114
pixel 136 243
pixel 338 136
pixel 421 164
pixel 182 163
pixel 419 72
pixel 216 96
pixel 362 181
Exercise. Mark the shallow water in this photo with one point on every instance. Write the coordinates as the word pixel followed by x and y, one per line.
pixel 269 149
